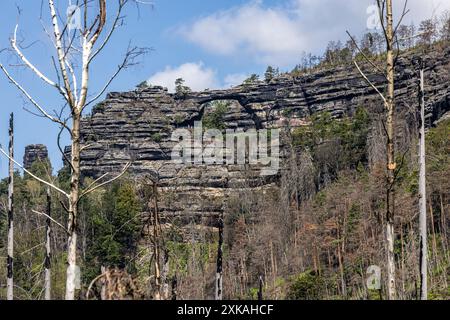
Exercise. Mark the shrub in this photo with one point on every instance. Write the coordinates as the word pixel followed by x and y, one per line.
pixel 156 137
pixel 306 286
pixel 216 118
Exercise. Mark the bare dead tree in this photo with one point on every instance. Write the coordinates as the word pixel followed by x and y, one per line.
pixel 260 289
pixel 156 243
pixel 10 258
pixel 165 275
pixel 75 51
pixel 389 31
pixel 423 195
pixel 48 253
pixel 174 287
pixel 219 271
pixel 159 263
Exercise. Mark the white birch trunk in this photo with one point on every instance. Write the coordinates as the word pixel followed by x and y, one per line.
pixel 391 164
pixel 72 269
pixel 423 198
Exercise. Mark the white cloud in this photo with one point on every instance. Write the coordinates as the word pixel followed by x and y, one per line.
pixel 249 29
pixel 196 75
pixel 235 79
pixel 277 35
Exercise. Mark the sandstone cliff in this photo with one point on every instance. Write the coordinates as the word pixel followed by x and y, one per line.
pixel 136 126
pixel 33 153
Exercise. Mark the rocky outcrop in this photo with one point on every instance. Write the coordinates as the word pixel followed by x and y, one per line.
pixel 136 126
pixel 33 153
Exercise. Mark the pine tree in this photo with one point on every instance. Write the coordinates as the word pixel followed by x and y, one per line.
pixel 115 227
pixel 180 88
pixel 270 74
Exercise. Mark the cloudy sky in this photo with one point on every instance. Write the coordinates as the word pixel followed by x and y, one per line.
pixel 211 44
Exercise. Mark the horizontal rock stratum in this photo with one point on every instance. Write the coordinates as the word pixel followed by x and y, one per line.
pixel 136 126
pixel 33 153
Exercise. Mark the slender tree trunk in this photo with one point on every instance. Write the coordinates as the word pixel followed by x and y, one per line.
pixel 72 269
pixel 10 258
pixel 219 272
pixel 443 231
pixel 443 223
pixel 423 197
pixel 434 260
pixel 156 241
pixel 272 262
pixel 48 233
pixel 77 100
pixel 402 262
pixel 260 290
pixel 391 165
pixel 341 248
pixel 341 271
pixel 174 287
pixel 316 259
pixel 433 234
pixel 316 268
pixel 165 276
pixel 103 295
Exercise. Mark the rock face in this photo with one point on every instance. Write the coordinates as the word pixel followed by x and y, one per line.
pixel 136 126
pixel 35 152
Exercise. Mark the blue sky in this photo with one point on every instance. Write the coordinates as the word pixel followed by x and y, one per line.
pixel 212 44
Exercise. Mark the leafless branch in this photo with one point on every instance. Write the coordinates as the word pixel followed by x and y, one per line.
pixel 60 52
pixel 58 142
pixel 96 181
pixel 32 67
pixel 92 283
pixel 33 113
pixel 365 56
pixel 370 82
pixel 381 6
pixel 53 220
pixel 111 31
pixel 30 98
pixel 84 193
pixel 130 56
pixel 404 13
pixel 87 146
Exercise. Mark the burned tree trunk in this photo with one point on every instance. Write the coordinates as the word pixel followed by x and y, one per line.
pixel 174 287
pixel 219 272
pixel 10 258
pixel 165 276
pixel 260 290
pixel 48 233
pixel 73 86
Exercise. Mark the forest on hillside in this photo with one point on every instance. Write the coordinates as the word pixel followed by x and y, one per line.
pixel 314 239
pixel 346 200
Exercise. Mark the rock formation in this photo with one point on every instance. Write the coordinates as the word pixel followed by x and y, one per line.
pixel 33 153
pixel 136 126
